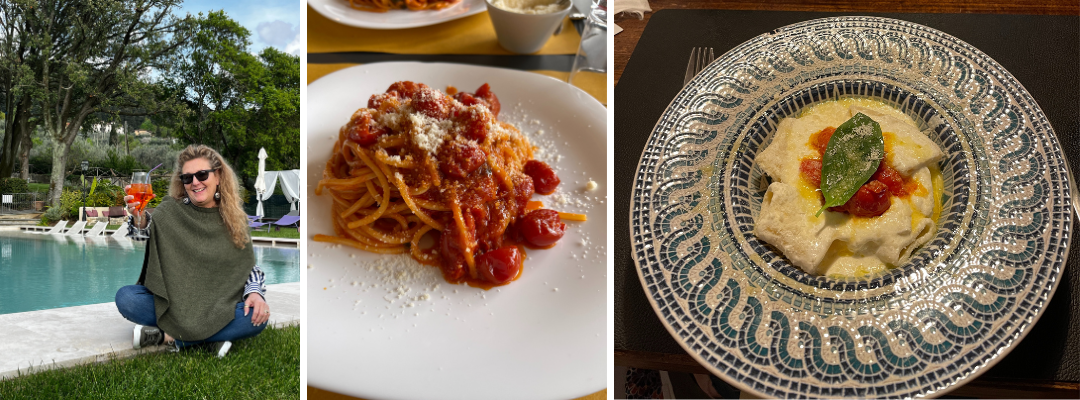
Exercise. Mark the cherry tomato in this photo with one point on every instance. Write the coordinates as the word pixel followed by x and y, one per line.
pixel 466 98
pixel 475 124
pixel 891 178
pixel 810 170
pixel 542 228
pixel 430 102
pixel 405 89
pixel 459 159
pixel 362 130
pixel 544 178
pixel 485 94
pixel 453 259
pixel 389 99
pixel 820 140
pixel 871 200
pixel 499 266
pixel 523 191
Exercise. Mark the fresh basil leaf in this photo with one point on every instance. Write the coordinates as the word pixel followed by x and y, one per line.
pixel 851 158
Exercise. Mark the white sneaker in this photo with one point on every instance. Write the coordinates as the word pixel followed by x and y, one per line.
pixel 222 348
pixel 145 336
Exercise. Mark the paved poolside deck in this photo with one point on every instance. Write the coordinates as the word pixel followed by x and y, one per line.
pixel 62 337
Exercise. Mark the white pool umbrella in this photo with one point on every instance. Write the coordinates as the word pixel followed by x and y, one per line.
pixel 260 182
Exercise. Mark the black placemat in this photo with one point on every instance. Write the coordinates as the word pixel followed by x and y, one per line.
pixel 1042 52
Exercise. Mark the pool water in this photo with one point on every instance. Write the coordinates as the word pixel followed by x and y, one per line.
pixel 39 272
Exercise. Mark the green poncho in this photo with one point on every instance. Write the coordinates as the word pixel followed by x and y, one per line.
pixel 196 273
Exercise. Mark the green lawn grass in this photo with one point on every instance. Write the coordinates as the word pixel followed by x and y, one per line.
pixel 264 367
pixel 39 187
pixel 287 233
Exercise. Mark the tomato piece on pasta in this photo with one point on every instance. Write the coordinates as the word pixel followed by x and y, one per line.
pixel 405 89
pixel 810 170
pixel 431 103
pixel 499 266
pixel 544 178
pixel 485 94
pixel 871 200
pixel 362 130
pixel 542 228
pixel 891 178
pixel 384 101
pixel 820 140
pixel 453 256
pixel 459 159
pixel 474 124
pixel 523 191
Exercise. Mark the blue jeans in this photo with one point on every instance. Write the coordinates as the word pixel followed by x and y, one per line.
pixel 136 304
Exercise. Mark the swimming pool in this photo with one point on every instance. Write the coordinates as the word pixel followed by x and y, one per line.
pixel 39 272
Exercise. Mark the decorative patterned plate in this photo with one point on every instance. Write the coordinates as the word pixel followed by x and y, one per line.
pixel 956 308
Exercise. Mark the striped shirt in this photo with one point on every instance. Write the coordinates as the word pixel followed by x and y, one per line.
pixel 256 282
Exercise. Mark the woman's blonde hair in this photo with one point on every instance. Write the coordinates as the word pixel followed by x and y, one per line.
pixel 230 204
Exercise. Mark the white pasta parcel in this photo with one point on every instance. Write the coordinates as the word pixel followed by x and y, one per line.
pixel 837 244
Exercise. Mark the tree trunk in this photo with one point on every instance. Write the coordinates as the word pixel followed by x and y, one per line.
pixel 19 131
pixel 24 158
pixel 112 134
pixel 56 179
pixel 7 153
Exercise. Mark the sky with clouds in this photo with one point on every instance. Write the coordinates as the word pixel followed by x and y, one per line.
pixel 273 23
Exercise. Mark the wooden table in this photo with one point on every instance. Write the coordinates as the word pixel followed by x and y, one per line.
pixel 626 40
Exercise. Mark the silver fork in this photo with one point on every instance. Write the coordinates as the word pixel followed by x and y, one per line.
pixel 700 57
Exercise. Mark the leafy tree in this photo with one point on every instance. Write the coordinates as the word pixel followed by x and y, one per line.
pixel 16 86
pixel 147 125
pixel 90 56
pixel 238 102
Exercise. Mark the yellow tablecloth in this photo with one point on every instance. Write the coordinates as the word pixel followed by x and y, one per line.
pixel 592 83
pixel 470 35
pixel 319 394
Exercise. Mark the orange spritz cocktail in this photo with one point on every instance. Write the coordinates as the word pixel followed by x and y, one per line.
pixel 142 192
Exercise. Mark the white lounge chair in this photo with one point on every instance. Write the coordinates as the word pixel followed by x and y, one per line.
pixel 97 229
pixel 122 231
pixel 76 229
pixel 58 228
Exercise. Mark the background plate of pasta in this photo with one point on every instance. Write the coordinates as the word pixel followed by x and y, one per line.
pixel 910 303
pixel 463 326
pixel 394 14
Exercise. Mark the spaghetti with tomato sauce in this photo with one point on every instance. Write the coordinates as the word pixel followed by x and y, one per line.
pixel 382 6
pixel 419 163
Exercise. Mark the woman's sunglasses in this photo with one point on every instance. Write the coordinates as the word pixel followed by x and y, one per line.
pixel 200 175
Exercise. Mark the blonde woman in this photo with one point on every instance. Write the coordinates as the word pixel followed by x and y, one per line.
pixel 199 281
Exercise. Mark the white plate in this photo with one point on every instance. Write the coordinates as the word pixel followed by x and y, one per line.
pixel 523 340
pixel 340 12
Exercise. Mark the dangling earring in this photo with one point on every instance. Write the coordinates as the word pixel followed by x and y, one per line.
pixel 186 200
pixel 217 193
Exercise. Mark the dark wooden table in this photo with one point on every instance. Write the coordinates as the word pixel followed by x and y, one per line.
pixel 626 41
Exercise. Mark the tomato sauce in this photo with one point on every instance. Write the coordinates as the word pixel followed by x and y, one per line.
pixel 872 199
